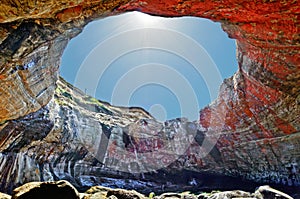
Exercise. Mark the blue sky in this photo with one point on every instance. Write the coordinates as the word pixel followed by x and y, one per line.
pixel 172 67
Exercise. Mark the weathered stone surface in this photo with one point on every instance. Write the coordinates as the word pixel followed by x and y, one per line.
pixel 256 113
pixel 185 195
pixel 227 195
pixel 255 120
pixel 48 190
pixel 268 192
pixel 119 193
pixel 100 192
pixel 29 60
pixel 88 142
pixel 263 192
pixel 63 10
pixel 33 35
pixel 4 196
pixel 63 189
pixel 52 143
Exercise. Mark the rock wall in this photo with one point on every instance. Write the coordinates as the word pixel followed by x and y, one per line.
pixel 88 142
pixel 254 121
pixel 33 35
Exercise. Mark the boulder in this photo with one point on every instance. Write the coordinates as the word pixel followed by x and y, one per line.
pixel 46 190
pixel 4 196
pixel 268 192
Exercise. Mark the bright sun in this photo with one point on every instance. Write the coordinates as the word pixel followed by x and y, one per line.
pixel 145 19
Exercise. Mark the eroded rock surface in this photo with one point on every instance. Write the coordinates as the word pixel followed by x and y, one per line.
pixel 79 138
pixel 35 190
pixel 33 36
pixel 89 142
pixel 63 189
pixel 254 121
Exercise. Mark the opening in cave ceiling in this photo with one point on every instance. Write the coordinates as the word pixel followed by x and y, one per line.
pixel 171 67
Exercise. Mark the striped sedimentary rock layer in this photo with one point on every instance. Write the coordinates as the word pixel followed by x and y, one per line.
pixel 86 141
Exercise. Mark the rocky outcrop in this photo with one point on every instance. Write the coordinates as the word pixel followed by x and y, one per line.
pixel 5 196
pixel 60 189
pixel 50 143
pixel 33 36
pixel 251 130
pixel 63 189
pixel 89 142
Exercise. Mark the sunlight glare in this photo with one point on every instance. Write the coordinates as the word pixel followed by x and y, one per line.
pixel 145 19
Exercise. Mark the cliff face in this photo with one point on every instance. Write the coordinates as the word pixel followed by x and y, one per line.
pixel 87 142
pixel 63 139
pixel 33 36
pixel 254 121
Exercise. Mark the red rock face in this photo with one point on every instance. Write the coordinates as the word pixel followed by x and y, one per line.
pixel 260 103
pixel 267 33
pixel 265 90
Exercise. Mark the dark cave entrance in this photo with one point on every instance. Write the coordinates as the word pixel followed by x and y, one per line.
pixel 171 67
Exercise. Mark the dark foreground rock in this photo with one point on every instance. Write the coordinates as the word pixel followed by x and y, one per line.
pixel 34 190
pixel 64 190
